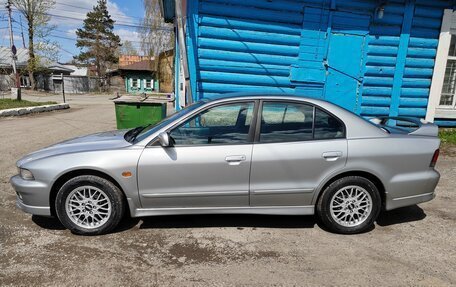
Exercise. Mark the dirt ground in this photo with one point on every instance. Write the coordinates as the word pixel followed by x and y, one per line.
pixel 410 246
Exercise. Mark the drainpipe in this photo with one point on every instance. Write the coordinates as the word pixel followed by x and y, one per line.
pixel 180 20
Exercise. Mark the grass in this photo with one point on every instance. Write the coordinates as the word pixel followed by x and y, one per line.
pixel 448 136
pixel 11 104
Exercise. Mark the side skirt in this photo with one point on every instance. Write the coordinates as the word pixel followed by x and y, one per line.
pixel 271 210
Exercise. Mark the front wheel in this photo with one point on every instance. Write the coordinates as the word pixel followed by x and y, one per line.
pixel 89 205
pixel 349 205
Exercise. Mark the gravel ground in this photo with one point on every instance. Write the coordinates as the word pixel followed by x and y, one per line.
pixel 409 246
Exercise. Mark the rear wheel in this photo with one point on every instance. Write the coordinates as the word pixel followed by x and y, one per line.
pixel 89 205
pixel 349 205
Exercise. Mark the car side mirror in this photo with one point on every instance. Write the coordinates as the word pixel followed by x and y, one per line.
pixel 164 139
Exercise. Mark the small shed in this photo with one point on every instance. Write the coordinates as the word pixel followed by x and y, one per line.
pixel 140 77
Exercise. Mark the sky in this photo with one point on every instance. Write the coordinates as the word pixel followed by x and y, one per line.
pixel 68 15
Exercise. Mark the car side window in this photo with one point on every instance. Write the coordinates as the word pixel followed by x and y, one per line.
pixel 327 126
pixel 225 124
pixel 285 122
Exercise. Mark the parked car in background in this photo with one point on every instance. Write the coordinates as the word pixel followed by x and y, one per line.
pixel 240 153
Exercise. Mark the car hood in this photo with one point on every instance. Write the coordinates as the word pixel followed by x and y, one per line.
pixel 93 142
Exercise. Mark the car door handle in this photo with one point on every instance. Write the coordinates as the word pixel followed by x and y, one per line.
pixel 331 155
pixel 235 159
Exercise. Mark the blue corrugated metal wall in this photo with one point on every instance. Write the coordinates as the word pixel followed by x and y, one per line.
pixel 336 50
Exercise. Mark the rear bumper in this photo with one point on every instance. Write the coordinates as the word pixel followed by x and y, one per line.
pixel 409 200
pixel 412 190
pixel 32 196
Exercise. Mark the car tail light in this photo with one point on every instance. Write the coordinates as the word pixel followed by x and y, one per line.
pixel 435 157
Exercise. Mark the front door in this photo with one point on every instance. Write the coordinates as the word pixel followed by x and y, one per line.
pixel 298 146
pixel 209 164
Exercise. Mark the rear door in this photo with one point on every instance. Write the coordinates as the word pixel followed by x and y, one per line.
pixel 297 146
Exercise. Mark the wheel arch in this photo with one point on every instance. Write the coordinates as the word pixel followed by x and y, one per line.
pixel 370 176
pixel 78 172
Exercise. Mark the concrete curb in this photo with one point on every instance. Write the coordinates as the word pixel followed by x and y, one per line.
pixel 32 110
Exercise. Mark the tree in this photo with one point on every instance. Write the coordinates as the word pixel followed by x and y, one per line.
pixel 158 36
pixel 36 14
pixel 97 41
pixel 128 49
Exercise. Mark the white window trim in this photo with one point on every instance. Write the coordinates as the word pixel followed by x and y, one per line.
pixel 138 83
pixel 440 66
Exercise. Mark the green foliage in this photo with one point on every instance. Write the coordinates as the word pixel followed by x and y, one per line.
pixel 11 104
pixel 39 28
pixel 97 40
pixel 448 136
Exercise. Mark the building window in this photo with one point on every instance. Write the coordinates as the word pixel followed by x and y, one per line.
pixel 148 83
pixel 447 98
pixel 135 83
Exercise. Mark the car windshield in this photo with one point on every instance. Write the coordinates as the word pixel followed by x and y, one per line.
pixel 144 132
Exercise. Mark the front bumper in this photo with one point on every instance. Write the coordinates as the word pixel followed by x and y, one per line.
pixel 32 196
pixel 35 210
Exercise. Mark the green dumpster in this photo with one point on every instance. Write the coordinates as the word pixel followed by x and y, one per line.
pixel 135 113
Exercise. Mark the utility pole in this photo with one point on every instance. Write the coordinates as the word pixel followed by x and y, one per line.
pixel 63 88
pixel 22 31
pixel 17 90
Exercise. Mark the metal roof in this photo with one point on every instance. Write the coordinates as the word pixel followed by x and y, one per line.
pixel 22 58
pixel 6 59
pixel 145 65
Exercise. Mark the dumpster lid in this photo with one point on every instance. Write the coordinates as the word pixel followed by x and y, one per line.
pixel 154 98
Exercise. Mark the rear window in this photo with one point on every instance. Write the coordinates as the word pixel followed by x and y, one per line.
pixel 327 126
pixel 288 122
pixel 285 122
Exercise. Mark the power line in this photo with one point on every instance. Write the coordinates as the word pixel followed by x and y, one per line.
pixel 61 31
pixel 87 9
pixel 60 48
pixel 65 37
pixel 118 23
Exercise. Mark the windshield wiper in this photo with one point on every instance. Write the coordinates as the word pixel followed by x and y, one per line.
pixel 131 135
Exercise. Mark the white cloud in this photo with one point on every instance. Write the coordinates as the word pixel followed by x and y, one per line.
pixel 71 32
pixel 124 34
pixel 127 35
pixel 79 9
pixel 72 15
pixel 17 39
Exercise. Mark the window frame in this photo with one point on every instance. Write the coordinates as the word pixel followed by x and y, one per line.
pixel 314 106
pixel 250 135
pixel 150 82
pixel 434 109
pixel 451 106
pixel 137 82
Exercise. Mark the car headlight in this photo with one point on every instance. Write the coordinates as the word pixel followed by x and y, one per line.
pixel 26 174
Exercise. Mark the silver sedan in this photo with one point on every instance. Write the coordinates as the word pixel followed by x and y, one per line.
pixel 248 154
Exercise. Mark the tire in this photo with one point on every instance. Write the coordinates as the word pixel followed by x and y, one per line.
pixel 89 205
pixel 349 205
